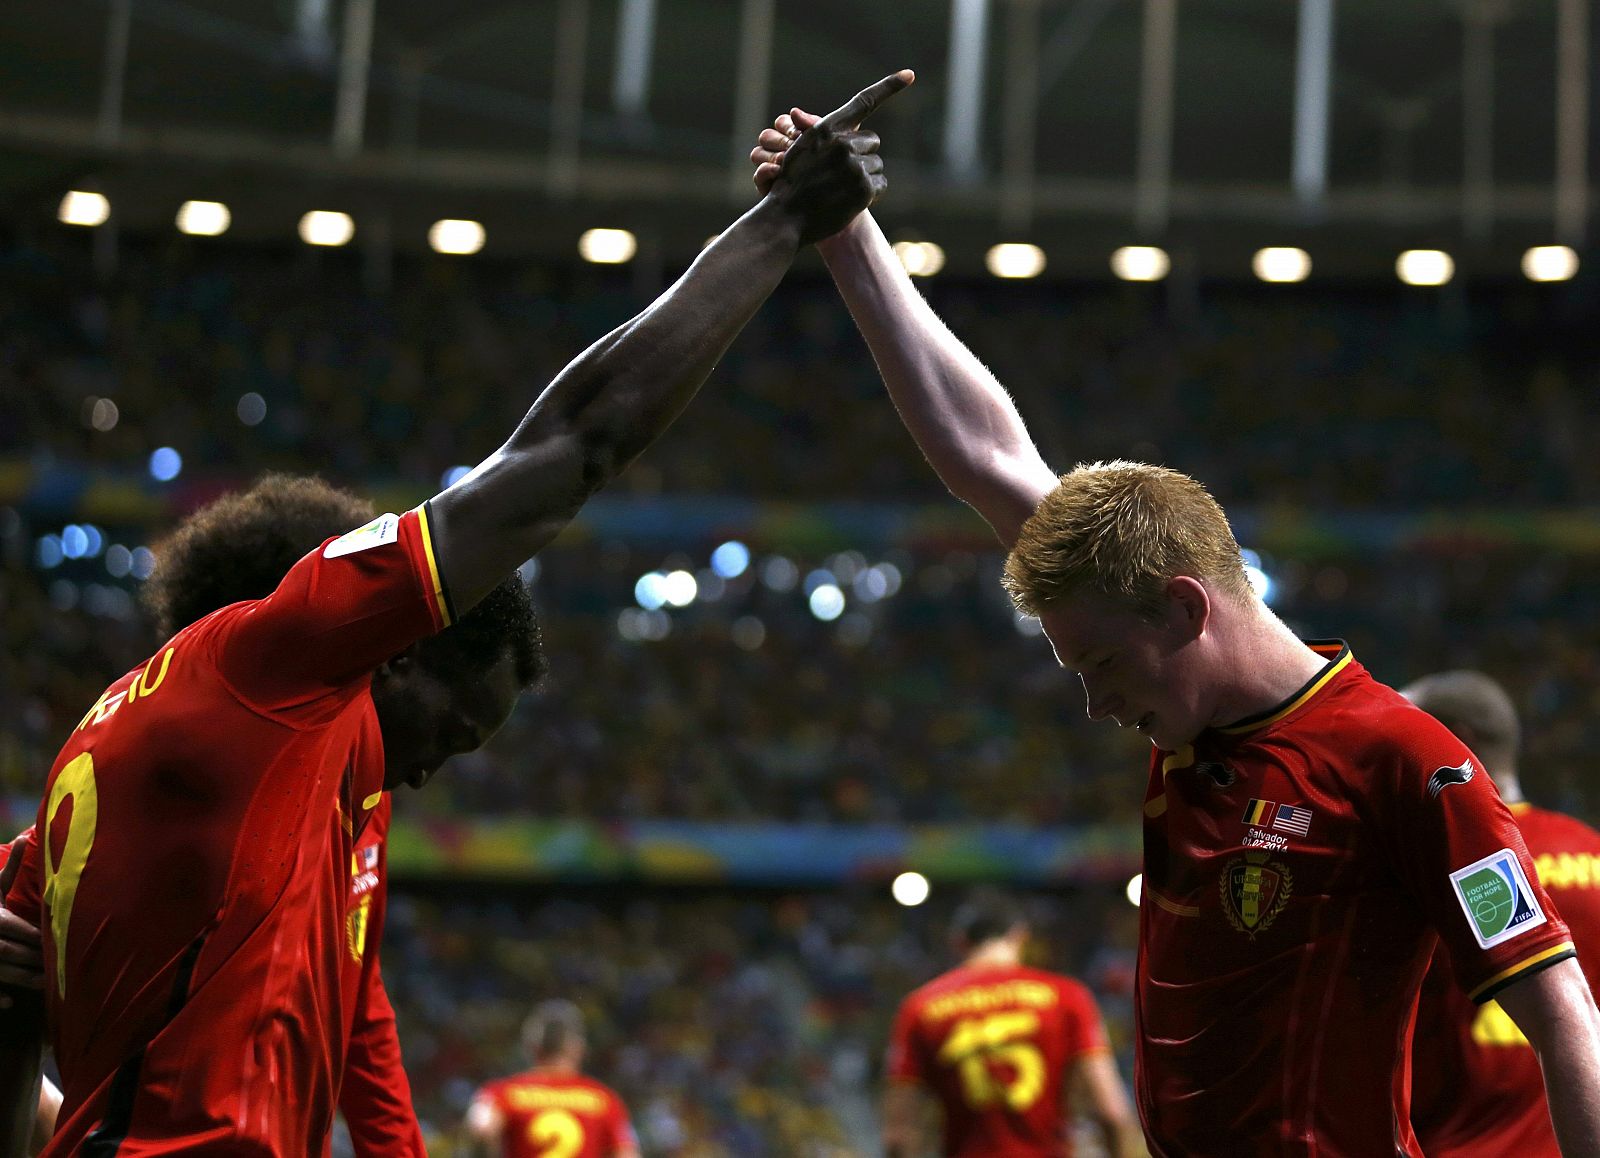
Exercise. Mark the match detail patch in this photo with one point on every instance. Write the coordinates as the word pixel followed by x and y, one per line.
pixel 383 529
pixel 1497 899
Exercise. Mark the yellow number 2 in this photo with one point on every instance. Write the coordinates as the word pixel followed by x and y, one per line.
pixel 976 1042
pixel 556 1134
pixel 76 782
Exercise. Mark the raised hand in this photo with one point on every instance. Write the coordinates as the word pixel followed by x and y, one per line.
pixel 830 170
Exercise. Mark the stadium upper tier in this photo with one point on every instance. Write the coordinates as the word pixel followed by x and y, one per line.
pixel 242 360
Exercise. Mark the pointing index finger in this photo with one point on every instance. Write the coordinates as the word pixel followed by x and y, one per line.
pixel 850 114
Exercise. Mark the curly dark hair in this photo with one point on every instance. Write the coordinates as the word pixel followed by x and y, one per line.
pixel 242 545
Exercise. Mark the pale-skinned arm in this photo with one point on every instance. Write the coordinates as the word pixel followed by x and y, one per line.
pixel 1556 1012
pixel 1096 1086
pixel 962 419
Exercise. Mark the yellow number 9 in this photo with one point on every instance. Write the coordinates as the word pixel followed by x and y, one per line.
pixel 61 878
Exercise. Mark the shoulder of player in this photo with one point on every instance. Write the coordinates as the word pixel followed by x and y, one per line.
pixel 1377 727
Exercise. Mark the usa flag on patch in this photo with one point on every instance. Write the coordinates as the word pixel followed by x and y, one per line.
pixel 1292 818
pixel 369 857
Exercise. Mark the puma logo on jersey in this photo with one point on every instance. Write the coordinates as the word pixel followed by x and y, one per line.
pixel 1221 774
pixel 1444 777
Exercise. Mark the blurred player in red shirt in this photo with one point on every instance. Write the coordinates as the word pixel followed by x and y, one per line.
pixel 1477 1091
pixel 191 874
pixel 552 1110
pixel 1007 1051
pixel 1309 835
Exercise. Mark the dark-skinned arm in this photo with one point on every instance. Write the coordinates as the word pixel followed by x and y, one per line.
pixel 615 398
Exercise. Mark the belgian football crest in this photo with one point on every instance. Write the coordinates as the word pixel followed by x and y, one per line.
pixel 1255 890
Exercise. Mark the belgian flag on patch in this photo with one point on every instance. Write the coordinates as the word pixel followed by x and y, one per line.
pixel 1260 811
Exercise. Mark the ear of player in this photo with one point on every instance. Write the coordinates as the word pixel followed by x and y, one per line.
pixel 832 171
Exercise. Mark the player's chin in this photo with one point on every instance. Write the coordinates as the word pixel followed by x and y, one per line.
pixel 407 777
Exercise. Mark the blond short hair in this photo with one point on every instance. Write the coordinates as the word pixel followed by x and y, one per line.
pixel 1124 530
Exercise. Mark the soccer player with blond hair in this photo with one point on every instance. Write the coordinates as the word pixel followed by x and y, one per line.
pixel 1309 835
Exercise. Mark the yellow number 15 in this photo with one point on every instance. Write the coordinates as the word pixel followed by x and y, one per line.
pixel 1004 1038
pixel 76 782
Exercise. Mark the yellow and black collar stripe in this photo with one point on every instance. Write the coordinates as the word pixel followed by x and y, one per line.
pixel 1339 657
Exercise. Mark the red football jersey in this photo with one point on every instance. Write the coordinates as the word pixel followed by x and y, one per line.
pixel 1299 869
pixel 558 1115
pixel 192 872
pixel 1477 1090
pixel 376 1095
pixel 993 1045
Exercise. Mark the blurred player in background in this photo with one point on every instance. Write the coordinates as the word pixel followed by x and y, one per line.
pixel 192 869
pixel 239 548
pixel 552 1110
pixel 1309 835
pixel 1008 1052
pixel 1476 1089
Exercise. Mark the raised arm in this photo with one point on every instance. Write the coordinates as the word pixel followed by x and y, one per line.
pixel 1557 1014
pixel 615 398
pixel 961 417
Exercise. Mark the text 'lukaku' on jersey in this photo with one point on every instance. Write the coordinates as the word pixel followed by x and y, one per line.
pixel 192 874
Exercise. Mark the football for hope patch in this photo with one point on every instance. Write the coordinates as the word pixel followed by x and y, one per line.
pixel 1497 899
pixel 383 529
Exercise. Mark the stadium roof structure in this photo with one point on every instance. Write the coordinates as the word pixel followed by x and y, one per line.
pixel 1353 127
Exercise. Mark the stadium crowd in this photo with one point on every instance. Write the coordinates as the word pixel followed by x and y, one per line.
pixel 732 1024
pixel 905 709
pixel 1439 400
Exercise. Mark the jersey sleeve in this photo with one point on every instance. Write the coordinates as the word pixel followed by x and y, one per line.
pixel 340 613
pixel 22 898
pixel 1085 1030
pixel 1461 856
pixel 905 1060
pixel 376 1097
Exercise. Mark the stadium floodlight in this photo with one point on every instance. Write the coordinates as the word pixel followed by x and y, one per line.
pixel 1550 263
pixel 1281 263
pixel 1135 889
pixel 327 227
pixel 81 208
pixel 1014 259
pixel 1141 263
pixel 920 258
pixel 910 889
pixel 1425 267
pixel 607 246
pixel 456 236
pixel 204 218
